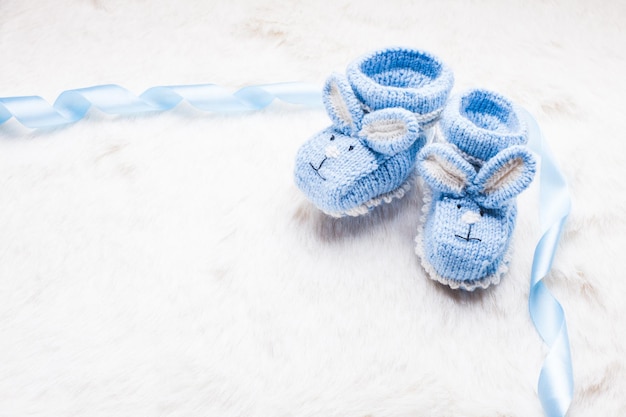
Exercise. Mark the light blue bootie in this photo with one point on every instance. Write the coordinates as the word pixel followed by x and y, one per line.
pixel 400 77
pixel 472 181
pixel 481 123
pixel 381 113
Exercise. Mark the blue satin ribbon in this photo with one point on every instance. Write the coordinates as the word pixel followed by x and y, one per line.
pixel 556 381
pixel 72 105
pixel 555 387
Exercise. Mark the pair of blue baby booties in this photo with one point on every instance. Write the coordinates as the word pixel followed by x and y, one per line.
pixel 392 115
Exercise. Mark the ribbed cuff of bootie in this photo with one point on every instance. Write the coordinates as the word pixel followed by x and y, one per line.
pixel 398 77
pixel 481 123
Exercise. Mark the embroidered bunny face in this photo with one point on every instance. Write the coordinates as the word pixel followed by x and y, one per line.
pixel 336 159
pixel 360 157
pixel 472 214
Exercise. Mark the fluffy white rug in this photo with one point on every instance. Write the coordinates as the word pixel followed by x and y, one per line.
pixel 167 265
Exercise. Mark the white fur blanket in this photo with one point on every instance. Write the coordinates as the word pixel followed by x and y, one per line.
pixel 166 265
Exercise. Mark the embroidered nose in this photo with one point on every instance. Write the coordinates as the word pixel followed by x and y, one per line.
pixel 470 217
pixel 331 151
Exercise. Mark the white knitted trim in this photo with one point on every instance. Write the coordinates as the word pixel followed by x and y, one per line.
pixel 376 201
pixel 430 270
pixel 339 104
pixel 429 119
pixel 477 162
pixel 384 130
pixel 509 172
pixel 426 121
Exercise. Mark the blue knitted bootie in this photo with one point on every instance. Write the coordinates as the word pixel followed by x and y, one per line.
pixel 366 157
pixel 470 208
pixel 399 77
pixel 481 123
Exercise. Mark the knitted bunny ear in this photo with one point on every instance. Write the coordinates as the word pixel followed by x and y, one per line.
pixel 444 169
pixel 504 176
pixel 390 131
pixel 341 104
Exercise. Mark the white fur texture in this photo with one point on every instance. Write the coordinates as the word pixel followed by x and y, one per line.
pixel 166 265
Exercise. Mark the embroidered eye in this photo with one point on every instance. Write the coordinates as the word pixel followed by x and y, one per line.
pixel 351 147
pixel 332 137
pixel 458 206
pixel 481 212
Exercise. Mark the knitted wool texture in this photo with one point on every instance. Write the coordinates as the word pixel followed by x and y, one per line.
pixel 399 77
pixel 481 123
pixel 471 216
pixel 367 155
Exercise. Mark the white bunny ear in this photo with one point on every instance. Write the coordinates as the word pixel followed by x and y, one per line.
pixel 390 131
pixel 342 105
pixel 505 175
pixel 444 169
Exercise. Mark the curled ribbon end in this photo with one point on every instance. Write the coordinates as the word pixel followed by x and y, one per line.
pixel 556 383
